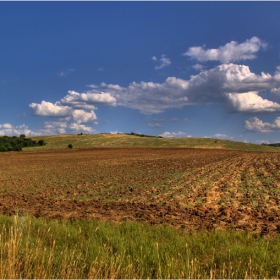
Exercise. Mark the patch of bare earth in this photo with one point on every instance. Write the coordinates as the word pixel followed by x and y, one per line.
pixel 186 188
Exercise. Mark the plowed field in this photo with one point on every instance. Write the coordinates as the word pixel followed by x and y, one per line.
pixel 187 188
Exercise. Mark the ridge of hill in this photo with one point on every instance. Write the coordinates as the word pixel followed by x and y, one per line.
pixel 107 140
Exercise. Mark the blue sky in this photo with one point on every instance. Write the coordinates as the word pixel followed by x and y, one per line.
pixel 175 69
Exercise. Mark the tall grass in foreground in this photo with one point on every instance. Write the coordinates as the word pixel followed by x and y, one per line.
pixel 36 248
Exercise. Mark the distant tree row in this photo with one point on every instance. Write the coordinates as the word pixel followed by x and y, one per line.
pixel 14 143
pixel 142 135
pixel 273 145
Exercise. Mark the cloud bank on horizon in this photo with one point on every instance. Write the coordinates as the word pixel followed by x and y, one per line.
pixel 230 84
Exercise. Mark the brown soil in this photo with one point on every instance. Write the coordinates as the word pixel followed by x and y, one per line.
pixel 186 188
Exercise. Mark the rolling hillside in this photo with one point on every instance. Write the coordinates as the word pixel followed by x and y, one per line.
pixel 125 140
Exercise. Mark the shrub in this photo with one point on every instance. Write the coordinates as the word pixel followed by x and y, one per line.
pixel 70 146
pixel 41 142
pixel 3 148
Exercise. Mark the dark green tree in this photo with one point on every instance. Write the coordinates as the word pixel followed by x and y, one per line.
pixel 41 142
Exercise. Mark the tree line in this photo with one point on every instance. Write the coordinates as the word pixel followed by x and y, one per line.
pixel 273 144
pixel 14 143
pixel 142 135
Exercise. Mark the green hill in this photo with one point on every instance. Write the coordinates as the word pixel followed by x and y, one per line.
pixel 127 140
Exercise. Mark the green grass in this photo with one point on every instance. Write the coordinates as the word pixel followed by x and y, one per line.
pixel 37 248
pixel 122 140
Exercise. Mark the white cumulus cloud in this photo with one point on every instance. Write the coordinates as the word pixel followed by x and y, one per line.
pixel 152 98
pixel 6 126
pixel 80 116
pixel 86 100
pixel 198 67
pixel 168 134
pixel 51 128
pixel 50 109
pixel 229 52
pixel 234 85
pixel 11 130
pixel 115 132
pixel 78 106
pixel 251 102
pixel 226 78
pixel 231 84
pixel 275 92
pixel 220 135
pixel 80 127
pixel 257 125
pixel 164 62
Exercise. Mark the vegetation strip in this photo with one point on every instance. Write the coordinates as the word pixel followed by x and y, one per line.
pixel 133 140
pixel 14 143
pixel 37 248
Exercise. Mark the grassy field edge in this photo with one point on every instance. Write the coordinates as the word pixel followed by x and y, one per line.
pixel 37 248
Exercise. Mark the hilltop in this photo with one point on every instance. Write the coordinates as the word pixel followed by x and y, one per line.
pixel 135 140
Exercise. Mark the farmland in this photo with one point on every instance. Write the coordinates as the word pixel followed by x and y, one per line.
pixel 182 187
pixel 124 206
